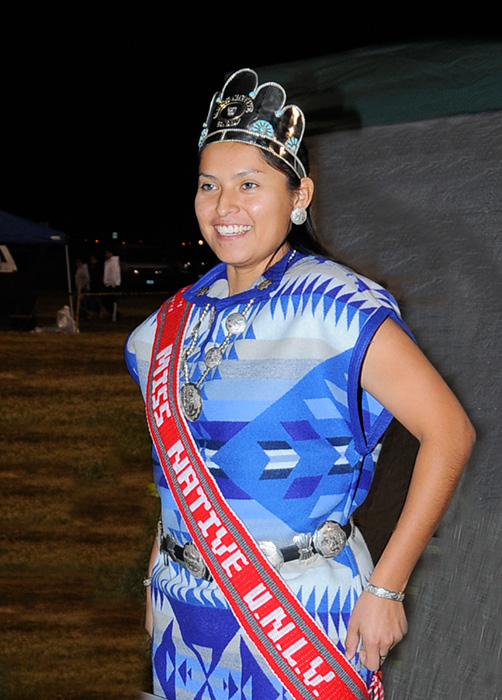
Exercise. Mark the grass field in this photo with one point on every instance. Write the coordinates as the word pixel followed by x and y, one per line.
pixel 77 511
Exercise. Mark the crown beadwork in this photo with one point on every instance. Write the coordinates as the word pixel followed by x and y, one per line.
pixel 250 113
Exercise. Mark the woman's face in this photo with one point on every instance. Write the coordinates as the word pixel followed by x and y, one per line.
pixel 243 207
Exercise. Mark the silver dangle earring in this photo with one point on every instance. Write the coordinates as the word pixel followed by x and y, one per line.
pixel 299 216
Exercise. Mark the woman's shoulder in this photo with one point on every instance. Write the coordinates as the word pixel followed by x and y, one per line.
pixel 144 333
pixel 319 275
pixel 138 346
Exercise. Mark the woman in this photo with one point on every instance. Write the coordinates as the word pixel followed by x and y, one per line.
pixel 269 384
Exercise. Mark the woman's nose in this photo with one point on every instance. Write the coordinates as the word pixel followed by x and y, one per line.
pixel 227 203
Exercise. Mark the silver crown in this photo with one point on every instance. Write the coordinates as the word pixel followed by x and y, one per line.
pixel 250 113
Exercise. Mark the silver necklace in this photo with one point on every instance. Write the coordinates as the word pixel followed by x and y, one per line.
pixel 190 394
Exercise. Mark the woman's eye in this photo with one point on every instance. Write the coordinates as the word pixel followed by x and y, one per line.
pixel 207 186
pixel 249 185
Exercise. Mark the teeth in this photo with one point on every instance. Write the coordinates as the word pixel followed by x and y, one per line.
pixel 232 230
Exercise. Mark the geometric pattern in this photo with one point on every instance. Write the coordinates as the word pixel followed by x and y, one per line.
pixel 291 440
pixel 282 459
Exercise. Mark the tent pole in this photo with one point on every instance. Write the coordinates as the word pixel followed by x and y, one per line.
pixel 68 274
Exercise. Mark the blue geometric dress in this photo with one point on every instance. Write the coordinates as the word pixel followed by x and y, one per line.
pixel 291 440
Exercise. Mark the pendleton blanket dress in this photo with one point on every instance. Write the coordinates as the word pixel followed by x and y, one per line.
pixel 291 440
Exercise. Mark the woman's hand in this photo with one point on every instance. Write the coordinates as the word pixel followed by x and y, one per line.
pixel 380 624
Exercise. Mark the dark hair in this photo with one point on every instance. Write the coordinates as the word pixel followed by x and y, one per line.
pixel 303 238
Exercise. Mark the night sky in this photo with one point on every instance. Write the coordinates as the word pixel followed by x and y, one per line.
pixel 100 126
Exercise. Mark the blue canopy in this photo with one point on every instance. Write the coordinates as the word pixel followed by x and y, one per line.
pixel 14 229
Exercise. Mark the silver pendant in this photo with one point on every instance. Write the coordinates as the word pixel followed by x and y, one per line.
pixel 213 357
pixel 235 323
pixel 191 401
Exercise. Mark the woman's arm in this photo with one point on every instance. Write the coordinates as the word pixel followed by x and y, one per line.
pixel 148 611
pixel 400 377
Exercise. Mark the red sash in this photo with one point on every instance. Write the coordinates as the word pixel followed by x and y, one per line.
pixel 297 650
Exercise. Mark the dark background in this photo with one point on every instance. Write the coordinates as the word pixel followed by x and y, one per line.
pixel 101 116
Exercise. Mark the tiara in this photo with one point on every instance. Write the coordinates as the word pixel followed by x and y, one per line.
pixel 250 113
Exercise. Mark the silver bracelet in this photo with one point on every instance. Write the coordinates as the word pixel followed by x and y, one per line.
pixel 385 593
pixel 147 582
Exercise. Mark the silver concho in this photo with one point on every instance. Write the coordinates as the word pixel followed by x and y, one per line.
pixel 264 284
pixel 272 552
pixel 329 539
pixel 235 323
pixel 231 110
pixel 193 560
pixel 191 401
pixel 213 357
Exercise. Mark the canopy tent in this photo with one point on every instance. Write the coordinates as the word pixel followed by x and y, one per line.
pixel 406 149
pixel 20 231
pixel 15 229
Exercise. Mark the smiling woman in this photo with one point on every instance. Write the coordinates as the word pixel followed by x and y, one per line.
pixel 269 384
pixel 243 206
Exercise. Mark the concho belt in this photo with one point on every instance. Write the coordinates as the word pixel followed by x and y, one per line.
pixel 328 540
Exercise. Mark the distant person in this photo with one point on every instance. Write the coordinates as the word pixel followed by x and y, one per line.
pixel 111 282
pixel 82 286
pixel 96 277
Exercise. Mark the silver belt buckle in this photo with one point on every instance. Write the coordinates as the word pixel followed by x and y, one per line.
pixel 329 539
pixel 304 543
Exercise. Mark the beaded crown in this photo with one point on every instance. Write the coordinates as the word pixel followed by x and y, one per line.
pixel 250 113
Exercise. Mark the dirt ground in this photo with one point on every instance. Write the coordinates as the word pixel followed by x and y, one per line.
pixel 77 515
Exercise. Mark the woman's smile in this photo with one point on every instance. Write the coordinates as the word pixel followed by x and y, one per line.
pixel 232 229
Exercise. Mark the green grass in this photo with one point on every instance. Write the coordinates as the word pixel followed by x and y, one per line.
pixel 78 513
